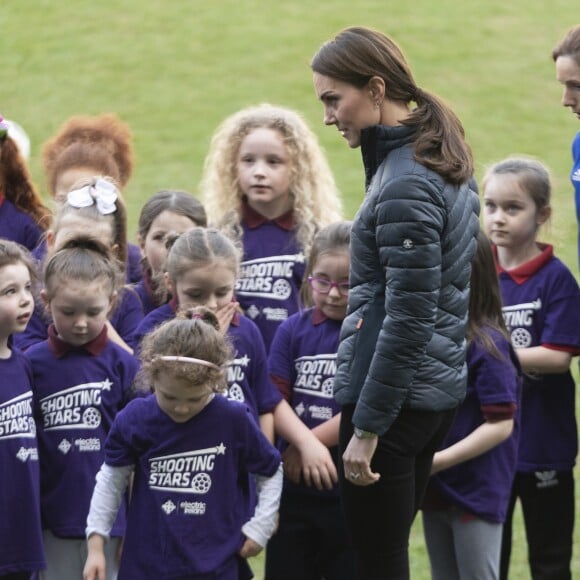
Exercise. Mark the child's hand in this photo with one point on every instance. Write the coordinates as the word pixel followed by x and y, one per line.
pixel 225 315
pixel 292 463
pixel 318 469
pixel 250 549
pixel 95 564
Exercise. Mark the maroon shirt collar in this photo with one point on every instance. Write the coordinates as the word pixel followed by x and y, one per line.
pixel 254 219
pixel 60 348
pixel 318 317
pixel 522 273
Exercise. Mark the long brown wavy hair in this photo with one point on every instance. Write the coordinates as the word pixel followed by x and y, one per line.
pixel 358 54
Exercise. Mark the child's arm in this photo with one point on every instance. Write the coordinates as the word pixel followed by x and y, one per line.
pixel 317 465
pixel 543 360
pixel 111 483
pixel 267 426
pixel 262 525
pixel 326 433
pixel 482 439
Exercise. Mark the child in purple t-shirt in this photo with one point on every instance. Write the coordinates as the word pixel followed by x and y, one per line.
pixel 23 216
pixel 81 380
pixel 268 185
pixel 94 207
pixel 311 540
pixel 201 270
pixel 191 453
pixel 165 212
pixel 21 551
pixel 466 501
pixel 85 146
pixel 541 307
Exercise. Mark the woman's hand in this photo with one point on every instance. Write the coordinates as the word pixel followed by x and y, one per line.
pixel 357 461
pixel 250 549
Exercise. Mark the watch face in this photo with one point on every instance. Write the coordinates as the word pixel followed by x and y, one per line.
pixel 360 434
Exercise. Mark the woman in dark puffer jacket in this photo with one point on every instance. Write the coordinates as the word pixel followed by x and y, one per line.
pixel 401 361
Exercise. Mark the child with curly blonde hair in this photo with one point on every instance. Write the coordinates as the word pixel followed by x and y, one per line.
pixel 267 184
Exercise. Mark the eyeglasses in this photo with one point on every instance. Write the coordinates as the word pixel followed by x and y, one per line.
pixel 324 286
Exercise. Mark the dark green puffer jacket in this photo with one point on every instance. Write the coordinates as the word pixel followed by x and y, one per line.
pixel 412 242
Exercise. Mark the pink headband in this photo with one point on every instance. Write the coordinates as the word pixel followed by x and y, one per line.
pixel 188 359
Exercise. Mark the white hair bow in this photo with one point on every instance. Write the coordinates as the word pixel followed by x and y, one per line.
pixel 103 193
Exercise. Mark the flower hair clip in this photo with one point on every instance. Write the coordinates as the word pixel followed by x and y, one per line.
pixel 103 193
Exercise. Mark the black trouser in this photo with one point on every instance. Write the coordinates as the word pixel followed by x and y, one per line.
pixel 547 499
pixel 379 516
pixel 311 541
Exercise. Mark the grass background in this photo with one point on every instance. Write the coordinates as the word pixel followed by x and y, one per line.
pixel 174 69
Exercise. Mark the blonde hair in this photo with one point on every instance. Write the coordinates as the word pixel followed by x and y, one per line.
pixel 316 199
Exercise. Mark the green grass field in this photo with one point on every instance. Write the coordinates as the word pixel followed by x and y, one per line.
pixel 174 69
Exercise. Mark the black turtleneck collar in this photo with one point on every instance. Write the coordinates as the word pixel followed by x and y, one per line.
pixel 376 143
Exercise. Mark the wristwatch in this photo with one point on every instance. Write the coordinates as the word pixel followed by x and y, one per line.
pixel 360 434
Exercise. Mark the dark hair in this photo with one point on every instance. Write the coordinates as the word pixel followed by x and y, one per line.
pixel 195 334
pixel 83 259
pixel 532 176
pixel 17 186
pixel 485 298
pixel 102 143
pixel 569 45
pixel 12 253
pixel 358 54
pixel 178 202
pixel 332 238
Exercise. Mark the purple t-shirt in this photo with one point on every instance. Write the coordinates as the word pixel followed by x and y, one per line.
pixel 271 274
pixel 247 374
pixel 17 226
pixel 482 485
pixel 191 490
pixel 542 307
pixel 125 319
pixel 78 392
pixel 21 547
pixel 303 354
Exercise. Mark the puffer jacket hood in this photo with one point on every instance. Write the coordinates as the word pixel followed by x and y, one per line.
pixel 412 242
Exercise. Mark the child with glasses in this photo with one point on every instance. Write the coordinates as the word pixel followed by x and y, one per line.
pixel 311 537
pixel 267 184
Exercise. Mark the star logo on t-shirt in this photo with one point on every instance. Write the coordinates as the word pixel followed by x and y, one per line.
pixel 299 258
pixel 220 449
pixel 106 385
pixel 168 507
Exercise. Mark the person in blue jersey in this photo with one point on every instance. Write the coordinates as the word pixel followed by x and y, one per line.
pixel 566 56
